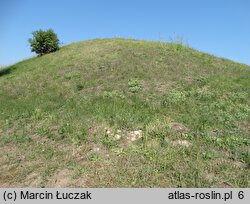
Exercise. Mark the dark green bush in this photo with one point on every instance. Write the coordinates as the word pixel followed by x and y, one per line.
pixel 44 42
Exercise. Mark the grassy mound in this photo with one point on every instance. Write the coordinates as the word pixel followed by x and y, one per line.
pixel 125 113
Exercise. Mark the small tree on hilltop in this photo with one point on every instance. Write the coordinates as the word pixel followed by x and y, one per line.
pixel 44 42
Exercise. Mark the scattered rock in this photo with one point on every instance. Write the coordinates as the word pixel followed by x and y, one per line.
pixel 118 150
pixel 134 135
pixel 138 133
pixel 117 137
pixel 184 143
pixel 127 137
pixel 96 149
pixel 108 132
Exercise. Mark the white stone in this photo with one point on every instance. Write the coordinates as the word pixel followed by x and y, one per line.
pixel 138 133
pixel 133 138
pixel 184 143
pixel 117 137
pixel 96 149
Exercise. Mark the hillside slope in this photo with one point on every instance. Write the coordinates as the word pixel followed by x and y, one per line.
pixel 125 113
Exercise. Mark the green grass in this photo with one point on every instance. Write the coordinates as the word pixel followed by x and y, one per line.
pixel 59 115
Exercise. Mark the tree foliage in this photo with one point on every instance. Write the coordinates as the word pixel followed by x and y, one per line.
pixel 44 42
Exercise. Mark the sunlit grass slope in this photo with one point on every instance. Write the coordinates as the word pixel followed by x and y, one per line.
pixel 125 113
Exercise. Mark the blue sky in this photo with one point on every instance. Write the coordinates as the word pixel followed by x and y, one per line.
pixel 219 27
